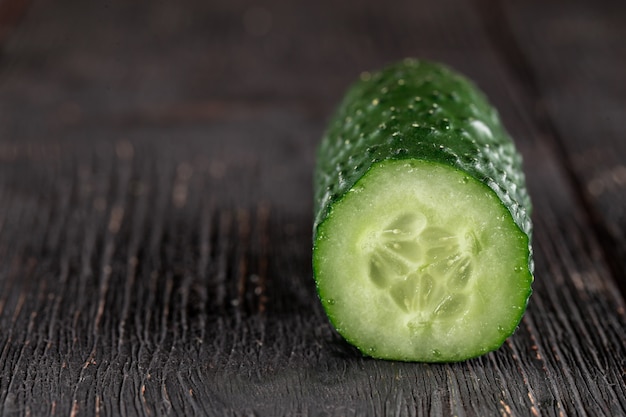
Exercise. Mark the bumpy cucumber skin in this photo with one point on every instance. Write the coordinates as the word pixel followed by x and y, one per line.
pixel 421 110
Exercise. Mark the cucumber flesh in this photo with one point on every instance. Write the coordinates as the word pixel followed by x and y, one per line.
pixel 433 266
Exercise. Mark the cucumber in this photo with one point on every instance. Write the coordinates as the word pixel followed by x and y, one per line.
pixel 422 230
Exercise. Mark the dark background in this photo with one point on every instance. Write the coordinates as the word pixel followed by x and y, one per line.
pixel 156 205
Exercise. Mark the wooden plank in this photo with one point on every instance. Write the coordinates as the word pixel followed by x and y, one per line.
pixel 155 233
pixel 11 13
pixel 133 300
pixel 573 59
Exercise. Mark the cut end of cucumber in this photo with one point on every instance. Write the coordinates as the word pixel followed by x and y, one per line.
pixel 422 262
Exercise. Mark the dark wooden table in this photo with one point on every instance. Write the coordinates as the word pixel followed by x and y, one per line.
pixel 156 205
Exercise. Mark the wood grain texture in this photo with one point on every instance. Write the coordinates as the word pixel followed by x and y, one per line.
pixel 573 61
pixel 156 212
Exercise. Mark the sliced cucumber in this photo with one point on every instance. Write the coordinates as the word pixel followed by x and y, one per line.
pixel 422 234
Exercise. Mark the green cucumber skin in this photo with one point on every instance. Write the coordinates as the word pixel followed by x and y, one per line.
pixel 418 110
